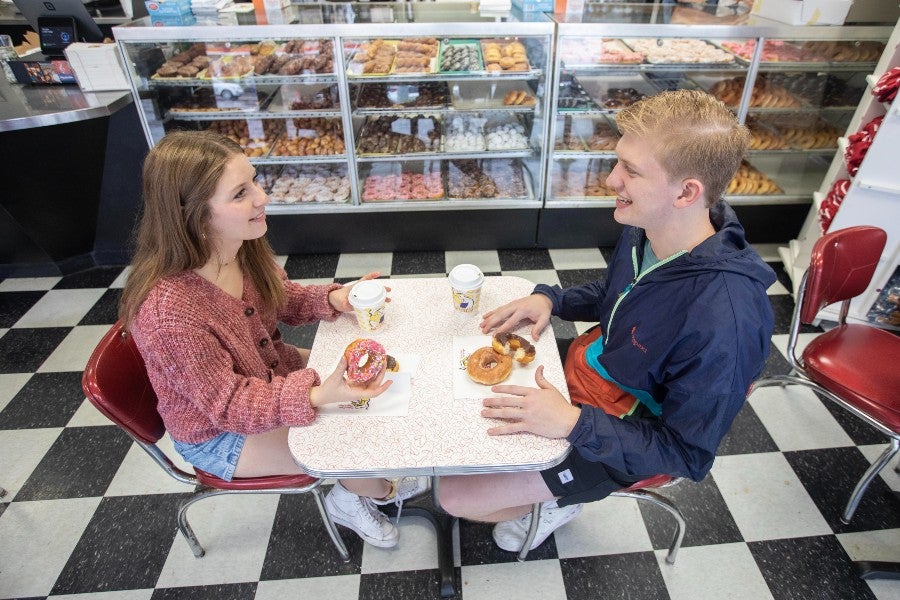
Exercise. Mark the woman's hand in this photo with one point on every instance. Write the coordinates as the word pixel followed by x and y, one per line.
pixel 340 298
pixel 335 389
pixel 535 308
pixel 542 410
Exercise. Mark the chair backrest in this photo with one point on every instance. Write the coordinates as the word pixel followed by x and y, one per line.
pixel 840 268
pixel 115 381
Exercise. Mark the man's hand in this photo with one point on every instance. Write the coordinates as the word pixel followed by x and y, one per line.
pixel 535 308
pixel 542 410
pixel 335 388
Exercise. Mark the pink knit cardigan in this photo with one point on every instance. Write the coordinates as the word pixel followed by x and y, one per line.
pixel 218 363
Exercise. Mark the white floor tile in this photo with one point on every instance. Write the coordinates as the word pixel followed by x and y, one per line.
pixel 777 289
pixel 3 331
pixel 38 538
pixel 139 474
pixel 61 308
pixel 781 341
pixel 74 351
pixel 532 580
pixel 796 419
pixel 890 476
pixel 120 595
pixel 234 529
pixel 486 260
pixel 345 587
pixel 548 276
pixel 578 258
pixel 582 326
pixel 88 416
pixel 20 452
pixel 28 284
pixel 768 252
pixel 875 546
pixel 10 384
pixel 698 574
pixel 417 549
pixel 611 526
pixel 281 260
pixel 119 282
pixel 766 498
pixel 419 276
pixel 319 281
pixel 357 265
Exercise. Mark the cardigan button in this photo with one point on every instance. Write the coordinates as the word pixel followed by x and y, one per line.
pixel 274 364
pixel 249 311
pixel 264 342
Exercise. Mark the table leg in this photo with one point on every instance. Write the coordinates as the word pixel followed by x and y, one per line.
pixel 443 529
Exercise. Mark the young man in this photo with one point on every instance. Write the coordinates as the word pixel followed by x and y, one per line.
pixel 684 327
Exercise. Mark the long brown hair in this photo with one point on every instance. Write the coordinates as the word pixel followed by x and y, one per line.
pixel 179 177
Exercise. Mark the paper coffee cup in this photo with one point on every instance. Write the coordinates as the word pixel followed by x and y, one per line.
pixel 368 301
pixel 465 283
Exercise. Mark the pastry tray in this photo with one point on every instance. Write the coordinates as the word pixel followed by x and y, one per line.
pixel 479 95
pixel 479 66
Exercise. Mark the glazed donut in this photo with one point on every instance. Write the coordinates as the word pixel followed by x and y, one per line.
pixel 365 361
pixel 487 367
pixel 509 343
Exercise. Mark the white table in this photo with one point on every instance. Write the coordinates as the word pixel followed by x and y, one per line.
pixel 440 435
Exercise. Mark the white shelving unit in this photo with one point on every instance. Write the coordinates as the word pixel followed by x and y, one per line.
pixel 873 197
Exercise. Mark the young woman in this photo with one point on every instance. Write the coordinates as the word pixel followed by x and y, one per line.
pixel 202 302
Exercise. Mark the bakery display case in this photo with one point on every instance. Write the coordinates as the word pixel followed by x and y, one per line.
pixel 796 88
pixel 443 109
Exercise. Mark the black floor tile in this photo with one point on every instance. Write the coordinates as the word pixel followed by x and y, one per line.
pixel 105 311
pixel 633 575
pixel 46 400
pixel 477 546
pixel 830 475
pixel 405 585
pixel 80 463
pixel 301 336
pixel 300 547
pixel 98 277
pixel 776 363
pixel 25 350
pixel 123 547
pixel 411 263
pixel 808 567
pixel 708 520
pixel 311 266
pixel 15 304
pixel 231 591
pixel 573 277
pixel 747 435
pixel 783 278
pixel 524 260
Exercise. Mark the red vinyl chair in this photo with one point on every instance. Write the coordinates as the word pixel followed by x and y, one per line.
pixel 115 381
pixel 641 491
pixel 853 365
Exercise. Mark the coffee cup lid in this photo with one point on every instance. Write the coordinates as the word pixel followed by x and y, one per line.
pixel 367 293
pixel 466 276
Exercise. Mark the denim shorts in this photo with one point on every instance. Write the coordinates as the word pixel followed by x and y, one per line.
pixel 218 456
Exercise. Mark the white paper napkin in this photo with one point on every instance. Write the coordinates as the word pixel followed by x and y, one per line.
pixel 394 402
pixel 464 387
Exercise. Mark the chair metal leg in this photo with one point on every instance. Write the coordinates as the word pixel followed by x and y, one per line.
pixel 185 527
pixel 867 478
pixel 333 532
pixel 532 531
pixel 669 506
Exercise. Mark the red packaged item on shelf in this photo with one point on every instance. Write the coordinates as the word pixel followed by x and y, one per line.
pixel 886 88
pixel 832 202
pixel 859 143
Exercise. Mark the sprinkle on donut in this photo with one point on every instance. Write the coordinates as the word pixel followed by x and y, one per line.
pixel 365 361
pixel 521 349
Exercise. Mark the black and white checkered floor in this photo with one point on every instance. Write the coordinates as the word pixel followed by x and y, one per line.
pixel 88 515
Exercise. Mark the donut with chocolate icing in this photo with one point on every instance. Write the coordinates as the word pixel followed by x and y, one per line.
pixel 521 350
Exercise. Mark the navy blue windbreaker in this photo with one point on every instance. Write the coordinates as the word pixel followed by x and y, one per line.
pixel 687 338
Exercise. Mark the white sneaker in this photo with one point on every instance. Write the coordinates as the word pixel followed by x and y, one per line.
pixel 510 535
pixel 406 488
pixel 361 515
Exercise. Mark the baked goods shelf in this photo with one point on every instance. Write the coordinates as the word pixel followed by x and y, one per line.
pixel 220 115
pixel 448 77
pixel 247 81
pixel 442 110
pixel 293 159
pixel 483 154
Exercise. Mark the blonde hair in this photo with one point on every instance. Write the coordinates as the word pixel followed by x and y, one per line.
pixel 179 177
pixel 694 135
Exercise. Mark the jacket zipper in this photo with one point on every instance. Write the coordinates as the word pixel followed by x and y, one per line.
pixel 637 277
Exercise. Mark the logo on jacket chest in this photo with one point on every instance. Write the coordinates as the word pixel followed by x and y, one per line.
pixel 634 340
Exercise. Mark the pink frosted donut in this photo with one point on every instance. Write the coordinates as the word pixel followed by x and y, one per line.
pixel 365 361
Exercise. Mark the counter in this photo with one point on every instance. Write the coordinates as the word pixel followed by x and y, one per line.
pixel 71 175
